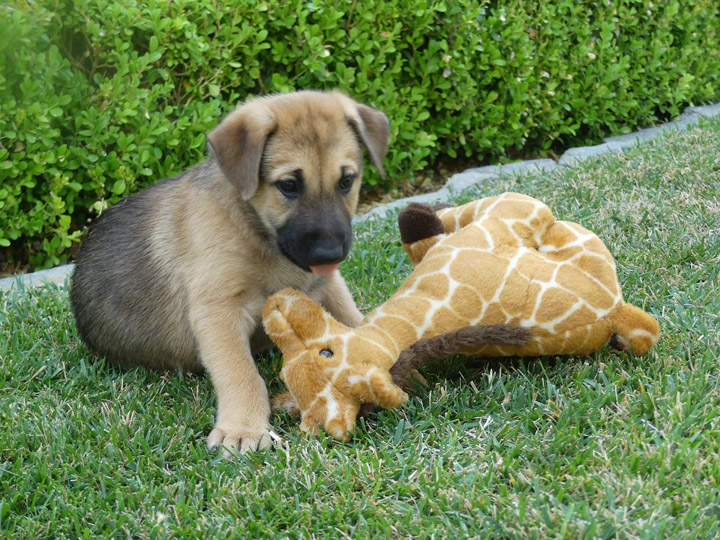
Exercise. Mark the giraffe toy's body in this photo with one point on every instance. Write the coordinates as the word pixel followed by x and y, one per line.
pixel 502 260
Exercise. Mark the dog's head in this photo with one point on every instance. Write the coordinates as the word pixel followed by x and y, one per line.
pixel 297 159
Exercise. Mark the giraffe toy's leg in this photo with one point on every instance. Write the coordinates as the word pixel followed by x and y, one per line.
pixel 634 329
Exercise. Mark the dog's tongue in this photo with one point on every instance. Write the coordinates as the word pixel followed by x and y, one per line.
pixel 324 269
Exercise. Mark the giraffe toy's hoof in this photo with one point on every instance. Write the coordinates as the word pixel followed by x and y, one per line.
pixel 417 222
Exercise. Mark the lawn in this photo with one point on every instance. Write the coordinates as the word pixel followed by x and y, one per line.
pixel 605 446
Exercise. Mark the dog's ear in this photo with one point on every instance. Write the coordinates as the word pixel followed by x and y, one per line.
pixel 374 129
pixel 238 144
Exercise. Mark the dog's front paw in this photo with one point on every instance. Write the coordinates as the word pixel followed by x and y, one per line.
pixel 240 438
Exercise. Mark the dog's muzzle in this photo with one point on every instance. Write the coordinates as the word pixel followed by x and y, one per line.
pixel 316 248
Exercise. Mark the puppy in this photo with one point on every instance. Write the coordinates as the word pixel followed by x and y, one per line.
pixel 176 276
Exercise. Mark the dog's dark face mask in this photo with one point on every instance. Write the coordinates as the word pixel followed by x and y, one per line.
pixel 316 237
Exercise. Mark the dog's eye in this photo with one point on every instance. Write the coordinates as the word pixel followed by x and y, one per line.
pixel 346 182
pixel 327 353
pixel 289 187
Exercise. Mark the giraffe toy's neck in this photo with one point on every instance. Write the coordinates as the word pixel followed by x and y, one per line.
pixel 401 321
pixel 391 333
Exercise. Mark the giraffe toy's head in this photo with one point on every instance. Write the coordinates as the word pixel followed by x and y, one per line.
pixel 495 263
pixel 327 384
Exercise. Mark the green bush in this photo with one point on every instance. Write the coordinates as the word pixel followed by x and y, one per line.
pixel 100 98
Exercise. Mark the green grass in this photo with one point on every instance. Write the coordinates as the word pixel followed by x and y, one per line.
pixel 606 446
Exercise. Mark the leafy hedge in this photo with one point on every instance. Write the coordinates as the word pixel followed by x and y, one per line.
pixel 98 98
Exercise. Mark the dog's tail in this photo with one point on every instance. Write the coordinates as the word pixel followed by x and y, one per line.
pixel 633 329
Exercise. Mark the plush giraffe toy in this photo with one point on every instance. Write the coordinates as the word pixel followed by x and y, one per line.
pixel 502 262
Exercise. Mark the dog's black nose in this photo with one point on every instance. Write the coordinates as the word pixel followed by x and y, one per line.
pixel 326 254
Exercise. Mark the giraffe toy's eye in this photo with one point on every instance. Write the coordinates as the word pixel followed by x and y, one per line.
pixel 327 353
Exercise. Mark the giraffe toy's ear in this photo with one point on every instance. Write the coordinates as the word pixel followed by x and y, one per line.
pixel 370 383
pixel 386 392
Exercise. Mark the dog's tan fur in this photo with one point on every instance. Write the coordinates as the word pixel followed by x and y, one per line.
pixel 177 276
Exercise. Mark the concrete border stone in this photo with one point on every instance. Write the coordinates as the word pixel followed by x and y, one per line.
pixel 58 275
pixel 426 198
pixel 577 155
